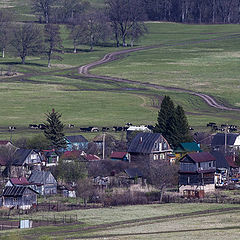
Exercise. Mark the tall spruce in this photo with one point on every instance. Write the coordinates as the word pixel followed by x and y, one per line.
pixel 172 123
pixel 54 130
pixel 165 112
pixel 182 125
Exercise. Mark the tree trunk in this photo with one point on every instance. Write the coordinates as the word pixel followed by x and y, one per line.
pixel 49 59
pixel 85 202
pixel 23 59
pixel 75 47
pixel 162 193
pixel 3 53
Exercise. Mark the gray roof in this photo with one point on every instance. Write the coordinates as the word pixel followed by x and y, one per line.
pixel 39 177
pixel 219 139
pixel 221 161
pixel 76 139
pixel 143 142
pixel 133 172
pixel 15 191
pixel 20 156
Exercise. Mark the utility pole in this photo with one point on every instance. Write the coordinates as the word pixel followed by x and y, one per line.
pixel 225 140
pixel 104 146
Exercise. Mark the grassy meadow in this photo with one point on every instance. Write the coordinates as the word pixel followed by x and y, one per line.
pixel 202 58
pixel 165 221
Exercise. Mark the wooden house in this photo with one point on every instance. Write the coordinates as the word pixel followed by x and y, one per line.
pixel 43 182
pixel 21 197
pixel 197 172
pixel 150 146
pixel 76 142
pixel 49 158
pixel 231 140
pixel 185 148
pixel 21 181
pixel 119 156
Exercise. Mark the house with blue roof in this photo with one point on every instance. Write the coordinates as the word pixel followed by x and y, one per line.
pixel 76 142
pixel 185 148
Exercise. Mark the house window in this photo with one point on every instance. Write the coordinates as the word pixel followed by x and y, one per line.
pixel 155 157
pixel 188 180
pixel 210 164
pixel 162 156
pixel 160 146
pixel 155 146
pixel 199 164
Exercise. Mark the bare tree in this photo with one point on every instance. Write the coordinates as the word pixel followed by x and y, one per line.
pixel 6 18
pixel 123 15
pixel 85 189
pixel 53 40
pixel 27 40
pixel 43 8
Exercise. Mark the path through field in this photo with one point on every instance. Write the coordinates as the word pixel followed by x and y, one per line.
pixel 84 70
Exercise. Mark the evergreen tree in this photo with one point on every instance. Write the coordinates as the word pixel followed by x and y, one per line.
pixel 54 130
pixel 165 112
pixel 182 125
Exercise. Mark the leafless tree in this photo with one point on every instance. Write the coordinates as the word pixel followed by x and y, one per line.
pixel 123 15
pixel 85 189
pixel 43 8
pixel 27 40
pixel 53 40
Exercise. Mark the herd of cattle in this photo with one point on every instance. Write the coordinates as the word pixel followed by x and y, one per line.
pixel 222 127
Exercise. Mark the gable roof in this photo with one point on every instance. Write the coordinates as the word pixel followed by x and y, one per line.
pixel 76 139
pixel 133 172
pixel 188 147
pixel 143 142
pixel 201 157
pixel 92 157
pixel 219 139
pixel 4 142
pixel 119 155
pixel 20 156
pixel 39 177
pixel 15 191
pixel 221 161
pixel 19 181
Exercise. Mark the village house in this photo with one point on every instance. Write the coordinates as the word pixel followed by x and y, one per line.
pixel 185 148
pixel 119 156
pixel 20 162
pixel 49 158
pixel 21 197
pixel 21 181
pixel 230 141
pixel 196 173
pixel 43 182
pixel 76 142
pixel 150 146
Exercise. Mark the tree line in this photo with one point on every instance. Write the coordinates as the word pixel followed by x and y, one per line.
pixel 194 11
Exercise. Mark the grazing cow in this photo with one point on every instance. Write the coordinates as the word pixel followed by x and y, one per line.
pixel 33 126
pixel 70 125
pixel 104 129
pixel 11 128
pixel 211 124
pixel 87 129
pixel 42 126
pixel 94 129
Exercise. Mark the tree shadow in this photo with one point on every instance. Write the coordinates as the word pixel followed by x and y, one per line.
pixel 20 64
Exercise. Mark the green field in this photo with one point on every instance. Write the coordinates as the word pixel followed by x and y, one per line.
pixel 182 60
pixel 166 221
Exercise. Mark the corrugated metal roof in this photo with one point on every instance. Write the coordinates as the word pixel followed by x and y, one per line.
pixel 14 191
pixel 143 142
pixel 20 156
pixel 133 172
pixel 39 177
pixel 19 181
pixel 201 157
pixel 119 155
pixel 76 139
pixel 190 147
pixel 219 139
pixel 221 161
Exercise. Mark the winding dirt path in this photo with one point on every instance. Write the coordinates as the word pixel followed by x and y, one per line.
pixel 84 70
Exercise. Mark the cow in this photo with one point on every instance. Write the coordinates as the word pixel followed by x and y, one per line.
pixel 42 126
pixel 11 128
pixel 70 125
pixel 33 126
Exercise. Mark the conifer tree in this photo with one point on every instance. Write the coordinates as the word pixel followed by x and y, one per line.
pixel 54 130
pixel 182 125
pixel 166 111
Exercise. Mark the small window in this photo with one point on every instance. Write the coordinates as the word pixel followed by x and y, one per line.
pixel 155 157
pixel 210 164
pixel 188 180
pixel 199 165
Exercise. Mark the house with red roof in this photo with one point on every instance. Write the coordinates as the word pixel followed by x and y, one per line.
pixel 196 173
pixel 120 156
pixel 21 181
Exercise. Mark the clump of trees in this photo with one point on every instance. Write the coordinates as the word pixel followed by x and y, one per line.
pixel 172 123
